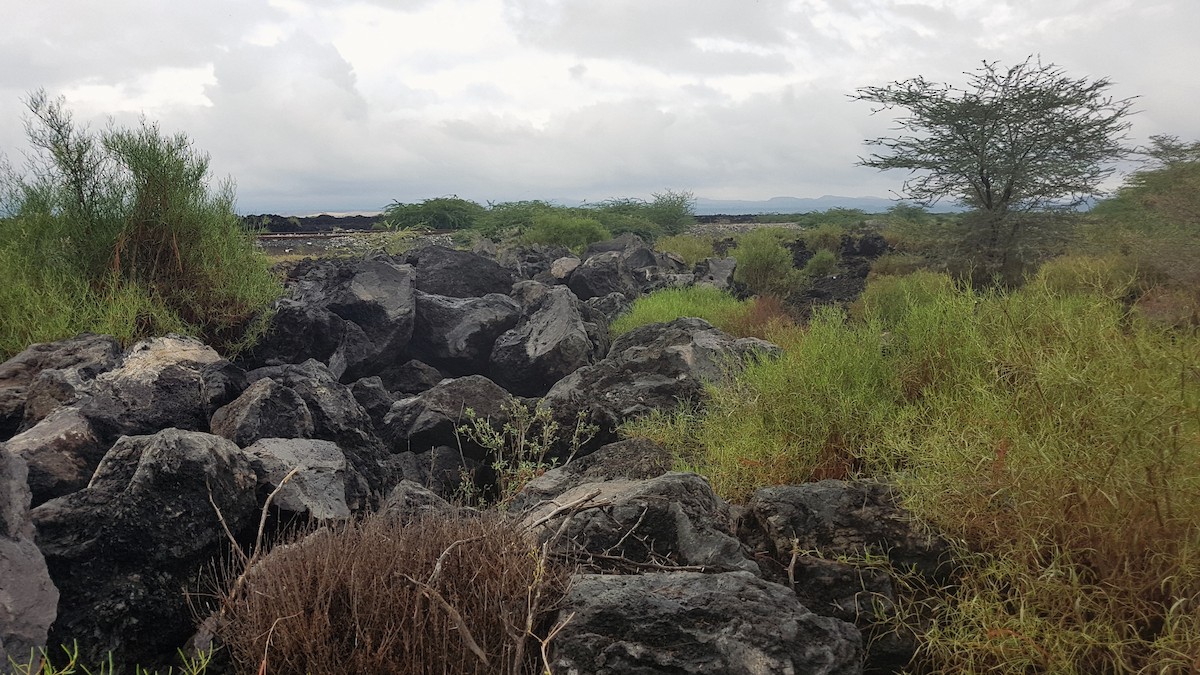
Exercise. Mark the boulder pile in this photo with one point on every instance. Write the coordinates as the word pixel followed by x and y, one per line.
pixel 125 474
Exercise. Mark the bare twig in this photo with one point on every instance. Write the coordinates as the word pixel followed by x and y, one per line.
pixel 437 567
pixel 225 526
pixel 642 517
pixel 262 521
pixel 791 569
pixel 262 667
pixel 554 631
pixel 572 506
pixel 646 565
pixel 463 631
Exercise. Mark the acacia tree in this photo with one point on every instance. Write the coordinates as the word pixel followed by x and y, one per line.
pixel 1025 138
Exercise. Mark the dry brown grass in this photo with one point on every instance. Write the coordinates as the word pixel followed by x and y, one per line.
pixel 439 595
pixel 764 315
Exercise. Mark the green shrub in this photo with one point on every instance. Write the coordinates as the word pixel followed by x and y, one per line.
pixel 822 264
pixel 897 264
pixel 512 217
pixel 619 221
pixel 672 211
pixel 668 213
pixel 704 302
pixel 127 225
pixel 441 213
pixel 826 236
pixel 691 248
pixel 1049 432
pixel 801 417
pixel 562 229
pixel 763 264
pixel 1112 277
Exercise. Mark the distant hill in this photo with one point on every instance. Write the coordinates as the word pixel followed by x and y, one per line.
pixel 708 207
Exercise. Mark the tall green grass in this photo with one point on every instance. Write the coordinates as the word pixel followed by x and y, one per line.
pixel 1049 432
pixel 705 302
pixel 764 265
pixel 690 247
pixel 123 233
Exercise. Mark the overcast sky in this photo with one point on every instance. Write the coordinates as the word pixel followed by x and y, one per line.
pixel 330 105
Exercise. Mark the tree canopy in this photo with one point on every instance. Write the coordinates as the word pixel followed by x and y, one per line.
pixel 1023 138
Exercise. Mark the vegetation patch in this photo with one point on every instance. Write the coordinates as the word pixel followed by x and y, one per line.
pixel 562 229
pixel 121 233
pixel 442 594
pixel 705 302
pixel 1048 430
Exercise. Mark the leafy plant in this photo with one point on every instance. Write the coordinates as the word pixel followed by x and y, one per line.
pixel 522 448
pixel 827 236
pixel 127 216
pixel 822 264
pixel 441 213
pixel 1047 430
pixel 763 264
pixel 573 232
pixel 705 302
pixel 690 247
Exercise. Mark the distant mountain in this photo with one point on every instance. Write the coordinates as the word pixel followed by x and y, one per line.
pixel 709 207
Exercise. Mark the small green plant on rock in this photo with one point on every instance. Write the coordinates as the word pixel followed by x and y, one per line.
pixel 523 448
pixel 39 663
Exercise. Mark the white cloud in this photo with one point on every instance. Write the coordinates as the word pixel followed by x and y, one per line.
pixel 320 105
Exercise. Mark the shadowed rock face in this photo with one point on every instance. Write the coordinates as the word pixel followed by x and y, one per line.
pixel 654 367
pixel 430 420
pixel 731 623
pixel 325 487
pixel 457 274
pixel 267 409
pixel 76 359
pixel 842 518
pixel 456 334
pixel 121 549
pixel 557 336
pixel 28 598
pixel 61 452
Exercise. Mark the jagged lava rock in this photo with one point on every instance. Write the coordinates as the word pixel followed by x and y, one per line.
pixel 80 358
pixel 557 336
pixel 731 623
pixel 122 550
pixel 28 598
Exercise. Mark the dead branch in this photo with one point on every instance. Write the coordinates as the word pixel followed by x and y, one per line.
pixel 463 631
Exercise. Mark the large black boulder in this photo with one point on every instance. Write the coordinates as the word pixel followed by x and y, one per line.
pixel 336 416
pixel 671 520
pixel 163 382
pixel 431 419
pixel 266 409
pixel 123 550
pixel 61 452
pixel 354 315
pixel 557 336
pixel 458 274
pixel 731 623
pixel 76 359
pixel 456 334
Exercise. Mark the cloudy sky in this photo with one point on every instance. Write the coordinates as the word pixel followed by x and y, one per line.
pixel 335 105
